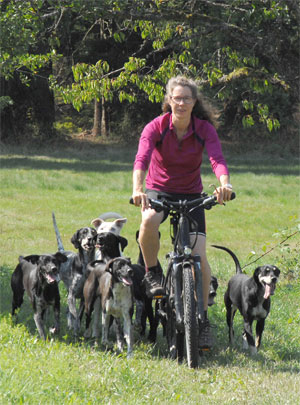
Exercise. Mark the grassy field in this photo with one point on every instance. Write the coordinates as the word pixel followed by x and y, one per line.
pixel 80 181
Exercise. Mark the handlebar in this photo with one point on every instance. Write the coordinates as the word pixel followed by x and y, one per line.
pixel 205 201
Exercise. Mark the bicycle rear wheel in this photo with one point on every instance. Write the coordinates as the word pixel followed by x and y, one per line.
pixel 190 316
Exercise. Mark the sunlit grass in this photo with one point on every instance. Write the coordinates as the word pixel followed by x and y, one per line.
pixel 78 184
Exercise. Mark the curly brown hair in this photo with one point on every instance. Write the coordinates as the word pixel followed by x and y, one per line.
pixel 203 109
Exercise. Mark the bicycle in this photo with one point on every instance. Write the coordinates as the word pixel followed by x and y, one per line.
pixel 181 310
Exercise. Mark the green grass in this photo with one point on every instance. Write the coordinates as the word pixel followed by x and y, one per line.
pixel 80 182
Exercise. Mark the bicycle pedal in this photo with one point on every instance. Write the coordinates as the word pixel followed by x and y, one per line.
pixel 158 297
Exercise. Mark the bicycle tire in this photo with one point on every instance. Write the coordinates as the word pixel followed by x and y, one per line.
pixel 190 317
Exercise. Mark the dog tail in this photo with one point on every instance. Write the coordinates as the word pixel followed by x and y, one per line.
pixel 58 237
pixel 109 215
pixel 236 260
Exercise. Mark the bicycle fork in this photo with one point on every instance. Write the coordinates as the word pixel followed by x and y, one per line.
pixel 177 277
pixel 199 287
pixel 178 268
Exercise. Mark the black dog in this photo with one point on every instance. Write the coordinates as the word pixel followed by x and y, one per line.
pixel 111 282
pixel 39 276
pixel 74 272
pixel 84 240
pixel 251 296
pixel 109 246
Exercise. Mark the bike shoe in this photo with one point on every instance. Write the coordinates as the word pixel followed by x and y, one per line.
pixel 152 283
pixel 205 338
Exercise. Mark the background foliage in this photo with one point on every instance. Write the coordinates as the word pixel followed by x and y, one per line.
pixel 110 60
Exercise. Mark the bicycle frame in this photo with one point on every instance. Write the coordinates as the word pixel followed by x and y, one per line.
pixel 178 260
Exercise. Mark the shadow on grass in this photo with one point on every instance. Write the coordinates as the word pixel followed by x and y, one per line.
pixel 273 355
pixel 110 158
pixel 27 163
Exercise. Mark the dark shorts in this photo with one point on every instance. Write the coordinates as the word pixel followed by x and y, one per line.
pixel 197 214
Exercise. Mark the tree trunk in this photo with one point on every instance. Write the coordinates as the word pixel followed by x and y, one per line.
pixel 96 131
pixel 104 125
pixel 100 119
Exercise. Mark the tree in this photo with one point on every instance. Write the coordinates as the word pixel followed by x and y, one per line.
pixel 243 53
pixel 238 52
pixel 25 66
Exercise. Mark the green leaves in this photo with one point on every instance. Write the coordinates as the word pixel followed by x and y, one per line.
pixel 244 53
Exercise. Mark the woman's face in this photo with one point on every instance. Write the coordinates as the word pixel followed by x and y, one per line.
pixel 182 102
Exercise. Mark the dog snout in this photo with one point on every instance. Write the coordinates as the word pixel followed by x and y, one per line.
pixel 90 241
pixel 130 272
pixel 100 239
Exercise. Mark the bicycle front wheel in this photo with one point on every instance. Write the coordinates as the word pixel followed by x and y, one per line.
pixel 190 316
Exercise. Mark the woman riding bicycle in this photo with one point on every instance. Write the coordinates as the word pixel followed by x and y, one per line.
pixel 170 149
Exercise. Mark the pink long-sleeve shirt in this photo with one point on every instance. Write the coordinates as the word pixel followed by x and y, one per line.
pixel 174 166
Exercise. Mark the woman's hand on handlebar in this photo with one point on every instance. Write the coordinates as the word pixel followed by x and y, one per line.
pixel 223 193
pixel 139 198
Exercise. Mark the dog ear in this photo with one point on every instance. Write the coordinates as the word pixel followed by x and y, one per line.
pixel 215 281
pixel 31 258
pixel 123 242
pixel 97 222
pixel 120 222
pixel 109 266
pixel 61 257
pixel 74 240
pixel 256 274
